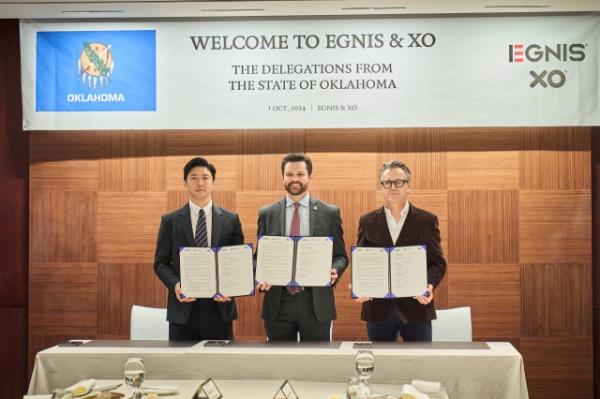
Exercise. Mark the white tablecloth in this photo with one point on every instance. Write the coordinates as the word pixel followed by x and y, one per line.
pixel 253 389
pixel 496 372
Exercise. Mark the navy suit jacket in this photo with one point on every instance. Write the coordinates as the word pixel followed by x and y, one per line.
pixel 176 232
pixel 420 227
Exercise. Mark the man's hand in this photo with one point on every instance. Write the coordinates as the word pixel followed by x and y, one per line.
pixel 262 287
pixel 221 298
pixel 360 299
pixel 334 276
pixel 179 295
pixel 425 300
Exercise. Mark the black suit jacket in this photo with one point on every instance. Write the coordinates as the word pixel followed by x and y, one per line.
pixel 176 232
pixel 324 220
pixel 420 227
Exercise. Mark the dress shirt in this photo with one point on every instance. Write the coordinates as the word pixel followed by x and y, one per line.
pixel 304 215
pixel 194 211
pixel 395 226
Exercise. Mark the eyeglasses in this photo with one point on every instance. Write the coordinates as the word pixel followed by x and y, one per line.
pixel 387 184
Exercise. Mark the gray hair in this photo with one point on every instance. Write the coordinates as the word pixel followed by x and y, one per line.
pixel 394 164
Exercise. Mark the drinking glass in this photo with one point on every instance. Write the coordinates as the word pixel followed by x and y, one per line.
pixel 365 364
pixel 134 375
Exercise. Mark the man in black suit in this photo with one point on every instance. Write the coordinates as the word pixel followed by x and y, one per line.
pixel 399 223
pixel 307 311
pixel 199 223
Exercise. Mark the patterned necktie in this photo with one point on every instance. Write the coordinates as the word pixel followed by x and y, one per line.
pixel 201 239
pixel 295 231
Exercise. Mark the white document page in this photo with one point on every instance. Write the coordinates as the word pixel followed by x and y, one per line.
pixel 370 272
pixel 275 260
pixel 198 272
pixel 313 261
pixel 236 277
pixel 408 271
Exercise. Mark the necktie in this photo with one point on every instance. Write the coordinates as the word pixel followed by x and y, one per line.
pixel 201 239
pixel 295 231
pixel 295 227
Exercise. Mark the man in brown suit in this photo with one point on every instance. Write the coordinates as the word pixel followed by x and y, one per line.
pixel 399 223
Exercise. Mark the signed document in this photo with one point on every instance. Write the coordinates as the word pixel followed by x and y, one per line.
pixel 393 272
pixel 288 261
pixel 206 272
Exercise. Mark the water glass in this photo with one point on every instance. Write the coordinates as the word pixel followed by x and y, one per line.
pixel 365 364
pixel 134 375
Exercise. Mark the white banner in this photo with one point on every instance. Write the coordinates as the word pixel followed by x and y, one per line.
pixel 404 72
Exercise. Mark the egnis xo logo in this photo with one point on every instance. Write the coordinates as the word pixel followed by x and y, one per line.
pixel 95 64
pixel 560 53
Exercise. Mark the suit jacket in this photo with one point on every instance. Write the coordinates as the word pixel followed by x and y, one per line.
pixel 420 227
pixel 176 232
pixel 324 220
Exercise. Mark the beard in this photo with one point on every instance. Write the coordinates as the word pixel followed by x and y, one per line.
pixel 296 188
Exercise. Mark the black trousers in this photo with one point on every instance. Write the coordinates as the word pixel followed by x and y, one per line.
pixel 392 326
pixel 297 318
pixel 204 323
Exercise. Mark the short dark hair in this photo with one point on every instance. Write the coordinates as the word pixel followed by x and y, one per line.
pixel 297 157
pixel 198 162
pixel 395 164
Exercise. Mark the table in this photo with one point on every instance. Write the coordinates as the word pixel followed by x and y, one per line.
pixel 252 389
pixel 467 370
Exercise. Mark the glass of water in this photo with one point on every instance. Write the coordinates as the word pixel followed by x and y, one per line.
pixel 365 364
pixel 134 375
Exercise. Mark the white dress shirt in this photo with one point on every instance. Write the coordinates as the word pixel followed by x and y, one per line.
pixel 304 215
pixel 194 211
pixel 395 226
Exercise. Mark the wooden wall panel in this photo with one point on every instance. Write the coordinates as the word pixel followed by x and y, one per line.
pixel 423 150
pixel 248 203
pixel 128 225
pixel 440 293
pixel 555 227
pixel 260 166
pixel 513 205
pixel 558 368
pixel 483 159
pixel 352 204
pixel 64 160
pixel 549 313
pixel 342 160
pixel 220 147
pixel 249 324
pixel 63 298
pixel 119 287
pixel 494 294
pixel 436 202
pixel 483 227
pixel 555 158
pixel 132 162
pixel 62 226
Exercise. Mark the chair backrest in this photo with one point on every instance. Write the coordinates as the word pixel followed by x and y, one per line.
pixel 149 323
pixel 452 325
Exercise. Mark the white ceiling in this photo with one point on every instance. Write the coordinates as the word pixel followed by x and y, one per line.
pixel 248 8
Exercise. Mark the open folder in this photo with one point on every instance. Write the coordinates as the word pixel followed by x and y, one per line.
pixel 294 261
pixel 206 272
pixel 392 272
